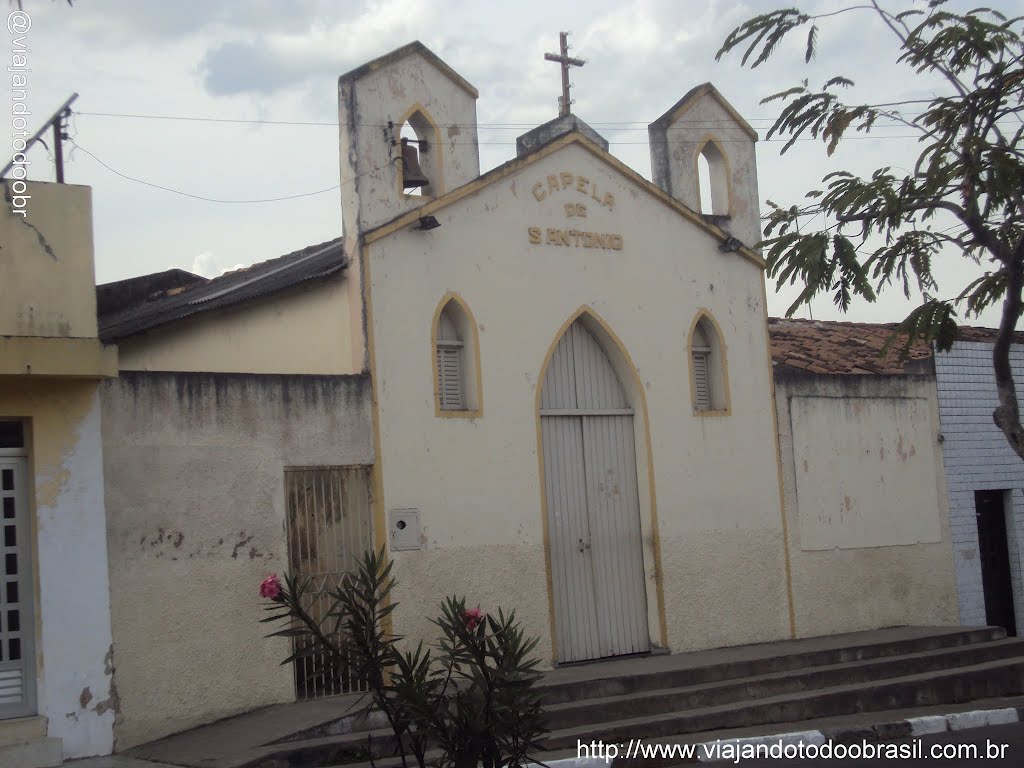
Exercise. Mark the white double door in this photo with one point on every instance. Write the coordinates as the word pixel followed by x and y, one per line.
pixel 593 507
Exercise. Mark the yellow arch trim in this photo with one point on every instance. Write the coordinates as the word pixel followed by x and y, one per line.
pixel 474 413
pixel 723 349
pixel 435 145
pixel 655 531
pixel 730 201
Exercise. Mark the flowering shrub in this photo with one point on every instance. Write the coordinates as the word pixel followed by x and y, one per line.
pixel 270 587
pixel 472 618
pixel 471 696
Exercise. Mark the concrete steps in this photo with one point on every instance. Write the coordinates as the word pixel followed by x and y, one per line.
pixel 709 694
pixel 757 686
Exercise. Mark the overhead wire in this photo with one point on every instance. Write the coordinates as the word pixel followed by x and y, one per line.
pixel 216 200
pixel 485 126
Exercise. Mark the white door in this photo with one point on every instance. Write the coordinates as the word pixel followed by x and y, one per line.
pixel 17 655
pixel 593 508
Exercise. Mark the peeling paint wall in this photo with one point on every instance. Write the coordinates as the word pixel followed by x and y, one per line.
pixel 476 480
pixel 48 285
pixel 195 503
pixel 392 92
pixel 304 330
pixel 865 500
pixel 73 638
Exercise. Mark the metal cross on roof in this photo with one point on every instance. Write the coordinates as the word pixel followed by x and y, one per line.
pixel 564 102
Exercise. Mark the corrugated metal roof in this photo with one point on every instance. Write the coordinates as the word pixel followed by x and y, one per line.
pixel 314 261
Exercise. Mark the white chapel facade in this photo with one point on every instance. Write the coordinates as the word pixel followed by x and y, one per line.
pixel 550 346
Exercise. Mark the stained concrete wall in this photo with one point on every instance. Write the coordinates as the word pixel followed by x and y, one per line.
pixel 865 502
pixel 48 284
pixel 304 330
pixel 676 144
pixel 978 458
pixel 72 610
pixel 720 561
pixel 194 467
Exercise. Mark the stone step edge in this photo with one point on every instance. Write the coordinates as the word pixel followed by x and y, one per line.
pixel 800 659
pixel 722 750
pixel 869 665
pixel 973 637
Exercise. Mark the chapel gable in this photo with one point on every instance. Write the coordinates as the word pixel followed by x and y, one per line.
pixel 702 154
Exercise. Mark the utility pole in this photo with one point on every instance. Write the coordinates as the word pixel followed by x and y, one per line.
pixel 564 102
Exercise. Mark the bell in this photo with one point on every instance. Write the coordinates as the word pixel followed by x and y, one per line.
pixel 412 176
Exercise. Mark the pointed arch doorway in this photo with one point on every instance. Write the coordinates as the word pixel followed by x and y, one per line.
pixel 590 479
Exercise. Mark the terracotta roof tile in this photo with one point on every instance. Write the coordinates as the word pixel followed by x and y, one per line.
pixel 829 347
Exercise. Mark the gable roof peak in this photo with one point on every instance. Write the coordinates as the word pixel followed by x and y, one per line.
pixel 409 49
pixel 694 96
pixel 562 125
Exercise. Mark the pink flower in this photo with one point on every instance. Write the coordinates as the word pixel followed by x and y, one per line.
pixel 271 587
pixel 472 618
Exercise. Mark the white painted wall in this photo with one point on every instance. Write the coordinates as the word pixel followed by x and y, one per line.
pixel 75 688
pixel 865 500
pixel 977 458
pixel 865 471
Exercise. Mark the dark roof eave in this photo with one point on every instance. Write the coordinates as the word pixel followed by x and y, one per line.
pixel 125 325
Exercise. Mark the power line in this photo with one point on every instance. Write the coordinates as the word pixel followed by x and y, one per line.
pixel 211 199
pixel 640 125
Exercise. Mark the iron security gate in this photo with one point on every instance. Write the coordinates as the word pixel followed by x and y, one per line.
pixel 328 520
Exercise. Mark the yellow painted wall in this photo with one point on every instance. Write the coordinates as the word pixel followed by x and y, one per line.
pixel 476 481
pixel 48 285
pixel 302 330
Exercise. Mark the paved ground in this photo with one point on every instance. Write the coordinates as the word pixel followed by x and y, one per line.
pixel 235 740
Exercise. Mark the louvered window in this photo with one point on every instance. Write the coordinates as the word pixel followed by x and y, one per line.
pixel 701 379
pixel 450 388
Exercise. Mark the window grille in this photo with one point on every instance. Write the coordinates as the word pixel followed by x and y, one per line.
pixel 328 513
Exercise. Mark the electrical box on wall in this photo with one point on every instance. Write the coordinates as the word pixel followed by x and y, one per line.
pixel 405 529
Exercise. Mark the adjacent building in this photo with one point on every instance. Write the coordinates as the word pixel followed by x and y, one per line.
pixel 57 693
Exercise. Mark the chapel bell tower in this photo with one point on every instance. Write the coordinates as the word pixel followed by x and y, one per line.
pixel 703 142
pixel 408 135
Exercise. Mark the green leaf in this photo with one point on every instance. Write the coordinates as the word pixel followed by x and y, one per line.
pixel 812 38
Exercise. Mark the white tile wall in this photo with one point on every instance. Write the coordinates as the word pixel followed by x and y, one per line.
pixel 977 458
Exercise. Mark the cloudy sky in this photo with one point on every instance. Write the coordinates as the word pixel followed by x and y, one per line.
pixel 263 75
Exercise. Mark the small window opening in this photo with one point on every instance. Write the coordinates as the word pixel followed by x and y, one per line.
pixel 707 367
pixel 419 157
pixel 713 181
pixel 12 434
pixel 701 353
pixel 451 386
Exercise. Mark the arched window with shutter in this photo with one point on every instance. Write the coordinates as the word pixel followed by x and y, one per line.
pixel 457 381
pixel 709 378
